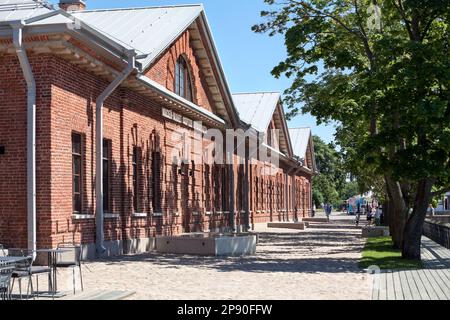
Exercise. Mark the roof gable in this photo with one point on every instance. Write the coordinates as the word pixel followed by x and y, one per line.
pixel 300 138
pixel 256 109
pixel 259 110
pixel 302 145
pixel 148 30
pixel 152 30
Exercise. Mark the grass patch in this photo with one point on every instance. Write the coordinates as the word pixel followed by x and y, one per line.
pixel 380 252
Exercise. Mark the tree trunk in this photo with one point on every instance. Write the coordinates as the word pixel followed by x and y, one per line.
pixel 389 211
pixel 414 226
pixel 387 214
pixel 398 213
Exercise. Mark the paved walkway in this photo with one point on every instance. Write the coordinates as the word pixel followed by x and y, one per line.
pixel 318 263
pixel 430 283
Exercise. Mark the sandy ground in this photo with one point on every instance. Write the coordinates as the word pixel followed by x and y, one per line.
pixel 318 263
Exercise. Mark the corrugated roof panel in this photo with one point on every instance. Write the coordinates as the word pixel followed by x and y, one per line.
pixel 256 109
pixel 11 10
pixel 300 141
pixel 19 2
pixel 54 19
pixel 148 30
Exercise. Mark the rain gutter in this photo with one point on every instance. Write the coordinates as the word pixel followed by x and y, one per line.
pixel 99 216
pixel 17 29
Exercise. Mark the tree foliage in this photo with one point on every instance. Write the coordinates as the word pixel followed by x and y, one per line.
pixel 331 185
pixel 385 79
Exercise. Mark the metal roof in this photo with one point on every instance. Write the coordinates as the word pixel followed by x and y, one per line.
pixel 256 109
pixel 300 138
pixel 11 10
pixel 149 30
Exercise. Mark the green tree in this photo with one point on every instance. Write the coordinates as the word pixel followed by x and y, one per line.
pixel 332 178
pixel 350 189
pixel 318 198
pixel 381 69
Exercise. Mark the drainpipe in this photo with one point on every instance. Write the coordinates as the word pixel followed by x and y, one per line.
pixel 99 217
pixel 17 27
pixel 231 192
pixel 246 194
pixel 294 193
pixel 286 198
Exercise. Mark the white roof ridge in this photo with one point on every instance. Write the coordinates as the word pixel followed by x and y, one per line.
pixel 298 128
pixel 257 92
pixel 140 8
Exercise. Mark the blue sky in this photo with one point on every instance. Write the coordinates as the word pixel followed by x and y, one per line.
pixel 247 57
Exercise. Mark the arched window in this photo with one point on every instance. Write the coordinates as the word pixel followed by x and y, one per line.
pixel 183 86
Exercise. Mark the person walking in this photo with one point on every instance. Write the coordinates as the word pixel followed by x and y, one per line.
pixel 358 214
pixel 328 210
pixel 431 210
pixel 378 217
pixel 369 215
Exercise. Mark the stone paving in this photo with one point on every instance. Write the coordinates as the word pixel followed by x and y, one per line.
pixel 318 263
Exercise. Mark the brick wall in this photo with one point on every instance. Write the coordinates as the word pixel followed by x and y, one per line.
pixel 66 104
pixel 13 164
pixel 163 70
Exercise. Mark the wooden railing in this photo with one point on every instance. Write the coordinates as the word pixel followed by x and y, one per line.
pixel 438 233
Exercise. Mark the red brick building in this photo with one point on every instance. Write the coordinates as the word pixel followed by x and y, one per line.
pixel 147 87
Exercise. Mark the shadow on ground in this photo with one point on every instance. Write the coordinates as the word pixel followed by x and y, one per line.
pixel 288 252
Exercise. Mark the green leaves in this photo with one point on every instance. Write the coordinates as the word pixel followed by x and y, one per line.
pixel 330 184
pixel 387 88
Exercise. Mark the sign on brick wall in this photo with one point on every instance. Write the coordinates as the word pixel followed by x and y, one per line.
pixel 167 113
pixel 188 122
pixel 178 118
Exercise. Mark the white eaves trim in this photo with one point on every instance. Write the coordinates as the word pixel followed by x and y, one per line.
pixel 163 90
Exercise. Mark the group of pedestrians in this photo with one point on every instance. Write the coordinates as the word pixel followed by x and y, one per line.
pixel 373 213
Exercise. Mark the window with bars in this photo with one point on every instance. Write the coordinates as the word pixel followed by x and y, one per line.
pixel 106 174
pixel 240 186
pixel 156 182
pixel 262 189
pixel 77 173
pixel 183 84
pixel 217 188
pixel 207 186
pixel 135 167
pixel 224 191
pixel 277 193
pixel 256 187
pixel 289 199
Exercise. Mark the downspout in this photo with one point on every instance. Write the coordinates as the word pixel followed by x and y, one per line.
pixel 286 198
pixel 246 194
pixel 294 194
pixel 99 217
pixel 17 28
pixel 232 189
